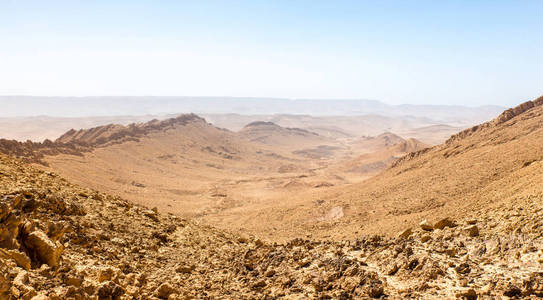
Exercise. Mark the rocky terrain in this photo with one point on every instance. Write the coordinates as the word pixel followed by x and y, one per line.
pixel 460 220
pixel 60 241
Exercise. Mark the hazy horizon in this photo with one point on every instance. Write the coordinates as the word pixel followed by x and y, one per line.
pixel 423 52
pixel 24 106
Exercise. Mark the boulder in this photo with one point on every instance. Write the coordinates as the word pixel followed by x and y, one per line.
pixel 424 225
pixel 165 290
pixel 406 233
pixel 44 250
pixel 446 222
pixel 472 231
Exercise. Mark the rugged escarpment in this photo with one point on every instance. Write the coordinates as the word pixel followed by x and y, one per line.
pixel 495 124
pixel 76 142
pixel 502 118
pixel 112 133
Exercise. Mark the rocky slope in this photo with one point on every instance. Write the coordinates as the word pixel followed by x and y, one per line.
pixel 387 149
pixel 77 142
pixel 269 133
pixel 60 241
pixel 496 162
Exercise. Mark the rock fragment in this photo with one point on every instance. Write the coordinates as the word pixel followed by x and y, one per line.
pixel 424 225
pixel 45 250
pixel 406 233
pixel 472 231
pixel 165 290
pixel 446 222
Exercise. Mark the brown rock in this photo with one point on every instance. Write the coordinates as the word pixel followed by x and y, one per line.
pixel 425 238
pixel 45 250
pixel 74 281
pixel 259 284
pixel 406 233
pixel 105 274
pixel 446 222
pixel 151 214
pixel 424 225
pixel 472 231
pixel 463 268
pixel 374 289
pixel 165 290
pixel 20 258
pixel 109 290
pixel 468 295
pixel 184 269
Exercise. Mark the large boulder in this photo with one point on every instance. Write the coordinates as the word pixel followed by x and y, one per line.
pixel 43 249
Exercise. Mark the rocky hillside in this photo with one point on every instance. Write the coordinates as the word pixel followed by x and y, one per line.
pixel 114 133
pixel 60 241
pixel 496 162
pixel 387 149
pixel 269 133
pixel 77 142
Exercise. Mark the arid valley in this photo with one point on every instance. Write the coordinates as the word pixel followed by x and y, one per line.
pixel 271 150
pixel 181 208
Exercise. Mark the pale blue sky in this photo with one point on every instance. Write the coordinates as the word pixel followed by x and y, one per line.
pixel 432 52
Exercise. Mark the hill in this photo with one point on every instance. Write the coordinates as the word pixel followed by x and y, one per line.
pixel 58 240
pixel 491 165
pixel 269 133
pixel 381 152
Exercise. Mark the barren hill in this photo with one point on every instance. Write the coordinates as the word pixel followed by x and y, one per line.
pixel 375 143
pixel 269 133
pixel 385 150
pixel 494 164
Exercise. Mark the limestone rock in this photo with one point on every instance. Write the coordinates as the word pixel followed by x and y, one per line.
pixel 165 290
pixel 424 225
pixel 20 258
pixel 472 231
pixel 406 233
pixel 45 250
pixel 446 222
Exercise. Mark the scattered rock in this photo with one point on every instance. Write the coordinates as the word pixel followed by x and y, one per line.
pixel 165 290
pixel 446 222
pixel 45 250
pixel 470 294
pixel 406 233
pixel 472 231
pixel 424 225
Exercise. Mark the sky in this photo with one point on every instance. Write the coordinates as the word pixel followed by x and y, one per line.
pixel 419 52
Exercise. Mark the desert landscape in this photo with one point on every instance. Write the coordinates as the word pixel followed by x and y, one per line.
pixel 179 208
pixel 271 150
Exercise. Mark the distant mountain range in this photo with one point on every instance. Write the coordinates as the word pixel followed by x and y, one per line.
pixel 19 106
